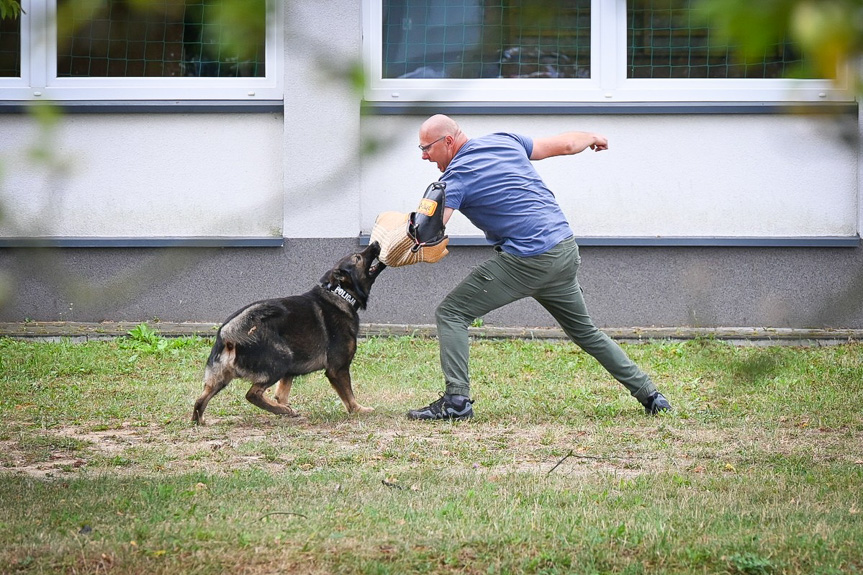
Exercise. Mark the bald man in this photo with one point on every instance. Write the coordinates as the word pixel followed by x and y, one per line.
pixel 492 181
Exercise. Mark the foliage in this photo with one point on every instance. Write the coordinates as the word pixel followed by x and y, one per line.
pixel 237 21
pixel 829 32
pixel 10 9
pixel 144 338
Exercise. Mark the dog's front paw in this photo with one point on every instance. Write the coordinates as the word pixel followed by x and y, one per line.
pixel 362 409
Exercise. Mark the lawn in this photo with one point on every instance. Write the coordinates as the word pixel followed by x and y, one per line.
pixel 759 468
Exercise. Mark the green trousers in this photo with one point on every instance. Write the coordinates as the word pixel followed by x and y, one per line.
pixel 549 278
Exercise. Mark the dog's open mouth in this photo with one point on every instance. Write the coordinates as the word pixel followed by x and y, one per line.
pixel 376 267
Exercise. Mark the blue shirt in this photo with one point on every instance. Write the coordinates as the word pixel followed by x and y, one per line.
pixel 492 181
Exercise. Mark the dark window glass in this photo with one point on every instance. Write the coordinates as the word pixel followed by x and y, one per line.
pixel 10 47
pixel 160 39
pixel 671 40
pixel 486 39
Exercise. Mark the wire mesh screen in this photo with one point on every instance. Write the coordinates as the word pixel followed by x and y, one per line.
pixel 10 48
pixel 486 39
pixel 671 40
pixel 156 38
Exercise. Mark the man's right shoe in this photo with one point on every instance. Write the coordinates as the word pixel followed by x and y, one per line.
pixel 447 407
pixel 656 403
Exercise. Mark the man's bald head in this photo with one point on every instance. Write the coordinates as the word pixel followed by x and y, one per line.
pixel 440 140
pixel 439 125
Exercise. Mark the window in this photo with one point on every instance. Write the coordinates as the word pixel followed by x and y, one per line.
pixel 519 39
pixel 10 48
pixel 486 39
pixel 671 41
pixel 128 50
pixel 567 51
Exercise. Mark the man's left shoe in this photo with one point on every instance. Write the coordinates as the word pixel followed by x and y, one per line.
pixel 656 403
pixel 447 407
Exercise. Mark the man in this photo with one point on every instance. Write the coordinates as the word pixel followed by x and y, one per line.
pixel 492 181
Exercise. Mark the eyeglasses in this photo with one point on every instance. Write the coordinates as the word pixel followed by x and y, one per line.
pixel 427 146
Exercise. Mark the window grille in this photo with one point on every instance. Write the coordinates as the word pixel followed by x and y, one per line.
pixel 671 40
pixel 486 39
pixel 10 47
pixel 167 39
pixel 552 39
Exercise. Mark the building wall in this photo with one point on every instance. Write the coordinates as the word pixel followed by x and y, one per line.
pixel 322 142
pixel 142 175
pixel 303 174
pixel 691 175
pixel 624 286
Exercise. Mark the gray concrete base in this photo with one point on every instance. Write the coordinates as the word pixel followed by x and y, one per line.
pixel 691 287
pixel 74 331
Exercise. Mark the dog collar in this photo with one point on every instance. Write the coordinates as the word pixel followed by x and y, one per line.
pixel 340 291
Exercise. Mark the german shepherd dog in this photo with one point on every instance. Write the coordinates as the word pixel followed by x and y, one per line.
pixel 272 341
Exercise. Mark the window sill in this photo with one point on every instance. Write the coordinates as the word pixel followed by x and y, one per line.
pixel 153 106
pixel 660 241
pixel 164 242
pixel 604 108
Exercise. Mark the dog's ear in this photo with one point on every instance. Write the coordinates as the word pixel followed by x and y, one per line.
pixel 336 277
pixel 329 280
pixel 345 277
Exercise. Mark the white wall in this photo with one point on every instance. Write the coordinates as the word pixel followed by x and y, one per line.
pixel 221 175
pixel 302 175
pixel 322 119
pixel 143 175
pixel 663 175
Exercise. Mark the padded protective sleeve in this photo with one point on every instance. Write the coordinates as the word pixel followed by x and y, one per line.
pixel 428 228
pixel 419 236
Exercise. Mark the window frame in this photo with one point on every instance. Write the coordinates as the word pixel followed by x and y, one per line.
pixel 608 83
pixel 39 58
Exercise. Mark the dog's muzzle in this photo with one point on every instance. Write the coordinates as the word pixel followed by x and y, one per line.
pixel 376 266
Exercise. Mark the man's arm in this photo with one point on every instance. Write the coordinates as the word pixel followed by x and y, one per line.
pixel 447 212
pixel 567 144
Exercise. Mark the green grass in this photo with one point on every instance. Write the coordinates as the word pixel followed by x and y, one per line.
pixel 757 471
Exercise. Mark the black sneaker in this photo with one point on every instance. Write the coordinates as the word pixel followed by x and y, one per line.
pixel 447 407
pixel 656 403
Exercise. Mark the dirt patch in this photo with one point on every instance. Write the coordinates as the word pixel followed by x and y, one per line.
pixel 276 444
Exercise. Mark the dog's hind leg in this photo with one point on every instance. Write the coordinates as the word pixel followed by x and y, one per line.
pixel 256 397
pixel 283 390
pixel 341 382
pixel 216 378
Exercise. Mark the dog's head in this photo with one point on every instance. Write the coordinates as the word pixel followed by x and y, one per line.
pixel 356 273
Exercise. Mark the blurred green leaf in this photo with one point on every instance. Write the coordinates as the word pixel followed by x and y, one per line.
pixel 10 9
pixel 240 25
pixel 829 33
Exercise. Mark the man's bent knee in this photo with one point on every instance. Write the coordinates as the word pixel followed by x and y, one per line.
pixel 447 313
